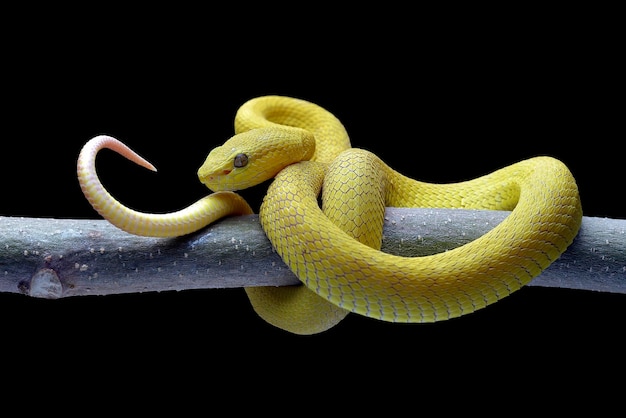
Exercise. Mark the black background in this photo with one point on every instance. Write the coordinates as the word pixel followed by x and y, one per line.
pixel 443 102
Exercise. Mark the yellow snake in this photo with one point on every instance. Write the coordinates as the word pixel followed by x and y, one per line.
pixel 335 250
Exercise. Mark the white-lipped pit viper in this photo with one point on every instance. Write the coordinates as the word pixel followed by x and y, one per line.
pixel 335 250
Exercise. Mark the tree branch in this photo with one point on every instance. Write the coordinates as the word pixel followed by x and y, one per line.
pixel 54 258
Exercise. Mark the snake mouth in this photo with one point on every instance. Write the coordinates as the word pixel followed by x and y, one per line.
pixel 218 181
pixel 228 179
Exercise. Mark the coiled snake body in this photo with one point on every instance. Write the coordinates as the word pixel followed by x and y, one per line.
pixel 335 250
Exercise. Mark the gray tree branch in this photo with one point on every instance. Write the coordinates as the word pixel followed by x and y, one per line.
pixel 54 258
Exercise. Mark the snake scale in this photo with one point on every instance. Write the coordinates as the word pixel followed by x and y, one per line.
pixel 334 248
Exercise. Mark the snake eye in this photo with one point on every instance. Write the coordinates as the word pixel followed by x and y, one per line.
pixel 241 160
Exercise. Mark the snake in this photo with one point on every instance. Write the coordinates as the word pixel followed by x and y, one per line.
pixel 324 212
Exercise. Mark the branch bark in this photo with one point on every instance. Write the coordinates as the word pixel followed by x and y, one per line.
pixel 54 258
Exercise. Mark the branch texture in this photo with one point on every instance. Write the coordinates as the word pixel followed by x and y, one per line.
pixel 54 258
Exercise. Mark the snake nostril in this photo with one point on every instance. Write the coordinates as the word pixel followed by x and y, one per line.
pixel 226 172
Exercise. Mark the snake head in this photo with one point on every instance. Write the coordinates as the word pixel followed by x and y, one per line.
pixel 252 157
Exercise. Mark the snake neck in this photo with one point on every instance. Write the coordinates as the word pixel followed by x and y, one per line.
pixel 331 137
pixel 271 133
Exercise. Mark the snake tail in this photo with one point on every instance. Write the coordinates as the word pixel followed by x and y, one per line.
pixel 198 215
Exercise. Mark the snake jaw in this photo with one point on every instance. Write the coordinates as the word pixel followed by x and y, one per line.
pixel 216 180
